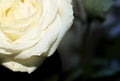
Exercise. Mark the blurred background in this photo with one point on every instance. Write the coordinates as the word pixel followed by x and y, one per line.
pixel 90 50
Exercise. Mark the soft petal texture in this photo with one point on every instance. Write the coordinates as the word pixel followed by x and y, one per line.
pixel 31 31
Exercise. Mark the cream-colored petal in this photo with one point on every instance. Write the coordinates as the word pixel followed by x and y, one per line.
pixel 27 65
pixel 37 36
pixel 14 66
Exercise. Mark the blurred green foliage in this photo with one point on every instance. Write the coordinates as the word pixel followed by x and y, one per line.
pixel 98 7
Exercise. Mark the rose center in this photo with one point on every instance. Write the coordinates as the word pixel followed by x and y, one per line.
pixel 12 11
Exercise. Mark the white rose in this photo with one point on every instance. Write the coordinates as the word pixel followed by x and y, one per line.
pixel 31 30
